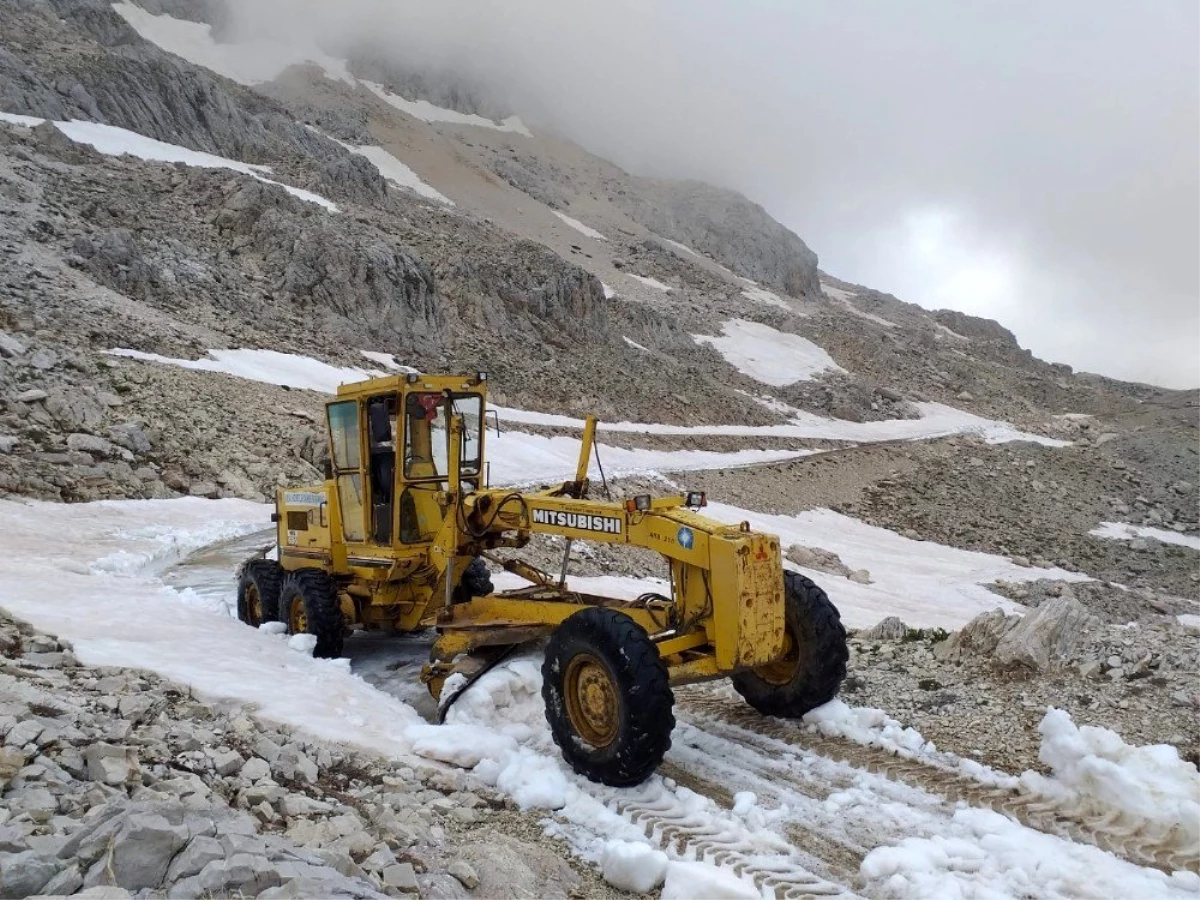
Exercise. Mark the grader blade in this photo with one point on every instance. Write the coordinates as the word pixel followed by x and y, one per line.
pixel 472 667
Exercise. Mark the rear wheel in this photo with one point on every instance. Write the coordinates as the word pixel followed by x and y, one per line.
pixel 259 584
pixel 811 670
pixel 608 699
pixel 308 604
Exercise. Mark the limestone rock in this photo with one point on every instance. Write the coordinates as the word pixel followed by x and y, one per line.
pixel 1047 637
pixel 889 629
pixel 112 765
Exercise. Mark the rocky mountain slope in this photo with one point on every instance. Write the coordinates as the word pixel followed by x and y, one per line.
pixel 197 243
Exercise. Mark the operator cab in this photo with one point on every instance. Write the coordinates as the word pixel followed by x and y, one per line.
pixel 392 476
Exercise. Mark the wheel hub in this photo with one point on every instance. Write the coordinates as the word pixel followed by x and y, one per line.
pixel 592 704
pixel 253 605
pixel 783 670
pixel 297 620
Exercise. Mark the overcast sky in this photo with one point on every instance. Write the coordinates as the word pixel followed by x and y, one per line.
pixel 1034 162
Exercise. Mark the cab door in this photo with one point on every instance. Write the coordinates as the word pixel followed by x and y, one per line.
pixel 346 457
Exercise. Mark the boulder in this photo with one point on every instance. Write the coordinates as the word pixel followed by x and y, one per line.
pixel 1048 637
pixel 889 629
pixel 25 874
pixel 139 853
pixel 116 766
pixel 979 637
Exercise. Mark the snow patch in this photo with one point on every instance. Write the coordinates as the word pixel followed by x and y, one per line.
pixel 1123 531
pixel 762 295
pixel 634 344
pixel 631 866
pixel 249 63
pixel 651 282
pixel 924 583
pixel 937 420
pixel 428 112
pixel 388 361
pixel 579 226
pixel 609 293
pixel 1187 620
pixel 267 366
pixel 303 643
pixel 772 357
pixel 113 141
pixel 397 172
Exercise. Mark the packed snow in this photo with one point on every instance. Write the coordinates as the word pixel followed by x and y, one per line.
pixel 773 357
pixel 991 856
pixel 633 866
pixel 1188 620
pixel 90 574
pixel 635 345
pixel 1095 766
pixel 846 300
pixel 113 141
pixel 428 112
pixel 1123 531
pixel 651 282
pixel 398 173
pixel 580 227
pixel 249 62
pixel 697 881
pixel 609 293
pixel 683 247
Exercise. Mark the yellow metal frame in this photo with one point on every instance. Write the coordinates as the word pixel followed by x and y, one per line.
pixel 724 612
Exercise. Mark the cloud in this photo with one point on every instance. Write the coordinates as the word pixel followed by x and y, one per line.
pixel 1053 145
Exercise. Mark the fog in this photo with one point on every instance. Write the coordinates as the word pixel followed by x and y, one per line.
pixel 1032 162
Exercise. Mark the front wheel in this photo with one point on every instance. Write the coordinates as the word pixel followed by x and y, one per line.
pixel 813 665
pixel 308 604
pixel 608 699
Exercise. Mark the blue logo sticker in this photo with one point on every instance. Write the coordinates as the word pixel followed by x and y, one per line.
pixel 686 538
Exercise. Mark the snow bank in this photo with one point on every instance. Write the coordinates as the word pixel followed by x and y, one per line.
pixel 990 856
pixel 651 282
pixel 1096 767
pixel 634 867
pixel 772 357
pixel 697 881
pixel 428 112
pixel 580 227
pixel 88 573
pixel 924 583
pixel 251 62
pixel 1123 531
pixel 397 172
pixel 113 141
pixel 267 366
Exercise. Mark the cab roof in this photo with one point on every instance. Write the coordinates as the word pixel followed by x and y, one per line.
pixel 413 382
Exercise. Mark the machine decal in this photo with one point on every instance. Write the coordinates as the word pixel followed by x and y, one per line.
pixel 303 498
pixel 686 538
pixel 580 521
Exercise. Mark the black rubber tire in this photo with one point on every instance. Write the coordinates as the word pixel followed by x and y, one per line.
pixel 644 698
pixel 315 589
pixel 816 626
pixel 266 576
pixel 476 581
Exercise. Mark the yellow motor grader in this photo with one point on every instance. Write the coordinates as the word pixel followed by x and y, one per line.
pixel 400 534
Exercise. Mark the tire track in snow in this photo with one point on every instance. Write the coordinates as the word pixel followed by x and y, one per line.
pixel 722 840
pixel 1112 831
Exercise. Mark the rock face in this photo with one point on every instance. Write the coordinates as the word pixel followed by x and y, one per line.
pixel 724 224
